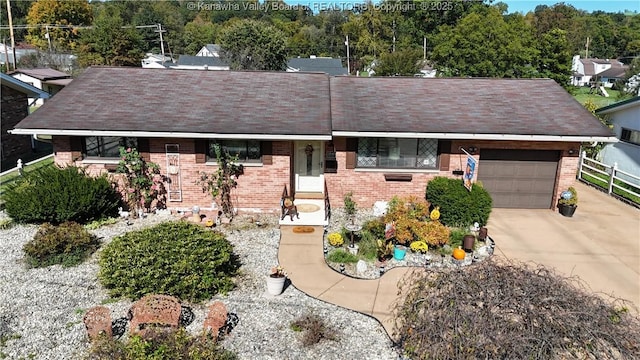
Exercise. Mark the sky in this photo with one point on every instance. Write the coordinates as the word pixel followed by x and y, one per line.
pixel 523 6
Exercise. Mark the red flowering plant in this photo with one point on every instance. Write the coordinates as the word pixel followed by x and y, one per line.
pixel 142 181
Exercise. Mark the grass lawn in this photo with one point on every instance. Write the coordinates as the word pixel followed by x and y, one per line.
pixel 7 179
pixel 605 185
pixel 582 95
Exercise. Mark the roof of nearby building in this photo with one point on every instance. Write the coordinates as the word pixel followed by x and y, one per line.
pixel 191 60
pixel 390 105
pixel 23 87
pixel 213 48
pixel 326 65
pixel 613 73
pixel 620 105
pixel 42 73
pixel 187 102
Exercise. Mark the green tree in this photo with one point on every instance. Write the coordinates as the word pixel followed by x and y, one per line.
pixel 399 63
pixel 63 16
pixel 253 45
pixel 554 61
pixel 108 43
pixel 198 33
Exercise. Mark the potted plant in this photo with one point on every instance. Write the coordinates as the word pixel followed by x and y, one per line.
pixel 275 280
pixel 568 202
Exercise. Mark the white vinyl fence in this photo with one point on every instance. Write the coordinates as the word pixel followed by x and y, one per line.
pixel 609 178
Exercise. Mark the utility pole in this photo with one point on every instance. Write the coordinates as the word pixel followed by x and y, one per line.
pixel 48 36
pixel 348 64
pixel 394 36
pixel 424 49
pixel 13 40
pixel 587 52
pixel 161 39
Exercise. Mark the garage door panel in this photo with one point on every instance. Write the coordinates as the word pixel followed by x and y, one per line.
pixel 517 179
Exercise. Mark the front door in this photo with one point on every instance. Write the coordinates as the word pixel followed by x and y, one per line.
pixel 308 166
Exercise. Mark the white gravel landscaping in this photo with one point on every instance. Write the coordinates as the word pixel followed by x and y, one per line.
pixel 41 310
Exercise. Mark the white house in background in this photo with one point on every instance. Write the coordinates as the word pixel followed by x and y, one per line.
pixel 625 117
pixel 156 61
pixel 210 50
pixel 45 79
pixel 585 71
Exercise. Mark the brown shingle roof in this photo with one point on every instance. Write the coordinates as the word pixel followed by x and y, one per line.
pixel 43 73
pixel 459 105
pixel 222 102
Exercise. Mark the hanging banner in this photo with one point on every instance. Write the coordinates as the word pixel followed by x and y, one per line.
pixel 469 171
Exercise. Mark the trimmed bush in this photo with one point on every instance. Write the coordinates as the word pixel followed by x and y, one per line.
pixel 174 258
pixel 68 244
pixel 341 256
pixel 161 344
pixel 459 206
pixel 54 195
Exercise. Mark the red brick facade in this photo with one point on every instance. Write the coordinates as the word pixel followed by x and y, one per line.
pixel 260 187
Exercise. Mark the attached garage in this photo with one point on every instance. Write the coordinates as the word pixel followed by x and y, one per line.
pixel 519 178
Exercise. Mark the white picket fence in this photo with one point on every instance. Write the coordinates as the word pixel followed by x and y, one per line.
pixel 608 174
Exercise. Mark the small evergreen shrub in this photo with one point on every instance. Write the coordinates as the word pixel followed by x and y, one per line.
pixel 174 258
pixel 341 256
pixel 459 206
pixel 161 344
pixel 67 244
pixel 54 195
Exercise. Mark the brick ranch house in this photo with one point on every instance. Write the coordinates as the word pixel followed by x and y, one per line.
pixel 376 137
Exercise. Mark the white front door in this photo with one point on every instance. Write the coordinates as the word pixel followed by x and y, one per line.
pixel 308 166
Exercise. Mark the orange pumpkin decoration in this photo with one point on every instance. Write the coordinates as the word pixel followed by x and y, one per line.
pixel 458 254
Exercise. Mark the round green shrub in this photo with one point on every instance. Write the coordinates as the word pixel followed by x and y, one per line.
pixel 459 206
pixel 174 258
pixel 55 195
pixel 67 244
pixel 161 344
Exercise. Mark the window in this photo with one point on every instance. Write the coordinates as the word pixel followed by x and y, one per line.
pixel 397 153
pixel 246 150
pixel 107 146
pixel 630 136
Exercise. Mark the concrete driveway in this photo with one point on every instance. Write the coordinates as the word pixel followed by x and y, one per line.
pixel 600 243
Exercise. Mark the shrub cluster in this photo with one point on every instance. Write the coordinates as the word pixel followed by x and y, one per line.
pixel 459 206
pixel 314 327
pixel 341 256
pixel 500 310
pixel 412 222
pixel 55 195
pixel 174 258
pixel 160 344
pixel 67 244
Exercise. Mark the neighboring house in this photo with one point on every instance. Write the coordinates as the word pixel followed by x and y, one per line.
pixel 312 133
pixel 48 80
pixel 190 62
pixel 625 118
pixel 587 71
pixel 15 107
pixel 6 50
pixel 156 61
pixel 317 64
pixel 210 50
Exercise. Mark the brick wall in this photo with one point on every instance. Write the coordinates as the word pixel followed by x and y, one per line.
pixel 14 107
pixel 260 187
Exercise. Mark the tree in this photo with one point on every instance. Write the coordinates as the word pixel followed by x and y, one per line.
pixel 64 16
pixel 399 63
pixel 198 33
pixel 554 61
pixel 253 45
pixel 108 43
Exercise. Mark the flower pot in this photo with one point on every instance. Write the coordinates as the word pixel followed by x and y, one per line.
pixel 399 252
pixel 467 242
pixel 353 249
pixel 567 210
pixel 173 170
pixel 275 285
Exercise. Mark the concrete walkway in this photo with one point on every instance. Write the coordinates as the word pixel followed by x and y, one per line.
pixel 302 257
pixel 600 243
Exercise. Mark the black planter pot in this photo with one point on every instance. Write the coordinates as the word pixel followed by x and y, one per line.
pixel 467 243
pixel 567 210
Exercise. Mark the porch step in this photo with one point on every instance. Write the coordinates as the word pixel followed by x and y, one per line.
pixel 310 211
pixel 309 195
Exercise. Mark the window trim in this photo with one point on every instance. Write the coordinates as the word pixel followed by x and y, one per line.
pixel 434 168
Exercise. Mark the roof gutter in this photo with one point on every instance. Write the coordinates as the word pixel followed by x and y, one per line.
pixel 165 134
pixel 460 136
